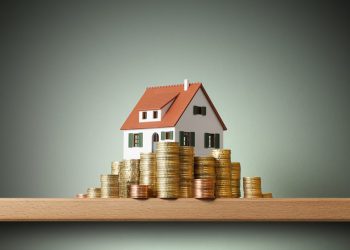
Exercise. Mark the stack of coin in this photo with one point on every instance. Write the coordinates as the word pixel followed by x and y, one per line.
pixel 168 170
pixel 186 171
pixel 267 195
pixel 204 167
pixel 81 196
pixel 148 171
pixel 94 192
pixel 139 191
pixel 223 172
pixel 204 188
pixel 109 186
pixel 128 174
pixel 236 179
pixel 116 167
pixel 252 187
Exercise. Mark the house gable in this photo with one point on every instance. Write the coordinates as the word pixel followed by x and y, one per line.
pixel 200 125
pixel 190 119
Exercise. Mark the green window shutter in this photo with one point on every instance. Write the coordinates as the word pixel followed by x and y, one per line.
pixel 217 140
pixel 141 140
pixel 181 138
pixel 206 140
pixel 204 110
pixel 171 135
pixel 193 139
pixel 131 140
pixel 162 136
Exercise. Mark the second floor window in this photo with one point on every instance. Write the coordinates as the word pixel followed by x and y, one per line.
pixel 197 110
pixel 155 114
pixel 144 115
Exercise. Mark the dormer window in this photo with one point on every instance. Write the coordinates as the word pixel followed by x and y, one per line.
pixel 150 115
pixel 144 115
pixel 155 114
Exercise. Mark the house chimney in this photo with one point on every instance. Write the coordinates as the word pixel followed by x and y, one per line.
pixel 186 84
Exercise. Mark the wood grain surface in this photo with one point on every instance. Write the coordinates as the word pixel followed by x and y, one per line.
pixel 72 209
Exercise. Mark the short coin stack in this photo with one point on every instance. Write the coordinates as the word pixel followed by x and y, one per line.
pixel 236 179
pixel 168 170
pixel 186 171
pixel 139 191
pixel 252 187
pixel 116 165
pixel 204 188
pixel 94 192
pixel 109 186
pixel 148 171
pixel 223 173
pixel 128 174
pixel 267 195
pixel 204 167
pixel 81 196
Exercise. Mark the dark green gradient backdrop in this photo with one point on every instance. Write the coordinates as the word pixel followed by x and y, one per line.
pixel 278 72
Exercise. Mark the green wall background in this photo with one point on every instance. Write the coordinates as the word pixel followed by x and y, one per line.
pixel 71 71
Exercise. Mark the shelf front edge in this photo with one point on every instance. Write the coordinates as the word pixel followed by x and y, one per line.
pixel 288 209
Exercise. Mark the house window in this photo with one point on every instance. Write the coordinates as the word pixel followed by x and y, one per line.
pixel 187 138
pixel 167 135
pixel 144 115
pixel 155 114
pixel 135 140
pixel 197 110
pixel 211 140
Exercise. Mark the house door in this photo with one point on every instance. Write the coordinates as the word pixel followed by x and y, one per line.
pixel 155 139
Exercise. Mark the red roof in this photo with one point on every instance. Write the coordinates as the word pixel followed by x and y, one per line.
pixel 152 101
pixel 156 98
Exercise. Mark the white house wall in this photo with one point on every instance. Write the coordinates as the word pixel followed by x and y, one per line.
pixel 199 124
pixel 134 152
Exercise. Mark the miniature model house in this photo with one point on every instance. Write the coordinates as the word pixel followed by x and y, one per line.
pixel 183 113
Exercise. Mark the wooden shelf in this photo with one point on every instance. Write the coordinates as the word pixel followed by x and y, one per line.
pixel 53 209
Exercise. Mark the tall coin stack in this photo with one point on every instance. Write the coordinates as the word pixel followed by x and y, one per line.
pixel 128 174
pixel 252 187
pixel 115 167
pixel 204 167
pixel 148 171
pixel 109 186
pixel 223 172
pixel 168 170
pixel 204 174
pixel 94 192
pixel 236 179
pixel 186 171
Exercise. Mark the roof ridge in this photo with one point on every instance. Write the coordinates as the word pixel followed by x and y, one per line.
pixel 170 85
pixel 165 86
